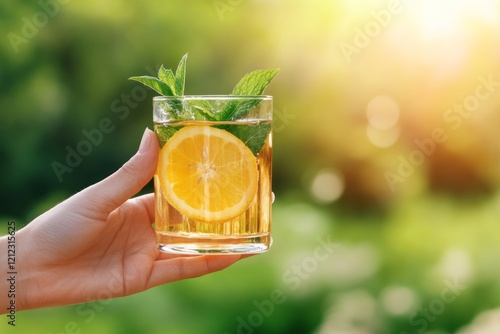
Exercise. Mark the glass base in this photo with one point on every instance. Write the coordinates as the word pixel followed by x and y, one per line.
pixel 192 245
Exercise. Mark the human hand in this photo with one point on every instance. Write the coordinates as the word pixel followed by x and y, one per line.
pixel 99 243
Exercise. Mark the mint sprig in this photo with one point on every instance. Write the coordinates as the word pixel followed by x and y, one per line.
pixel 167 84
pixel 254 136
pixel 252 84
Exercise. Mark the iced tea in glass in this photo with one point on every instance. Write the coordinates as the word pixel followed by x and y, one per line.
pixel 213 179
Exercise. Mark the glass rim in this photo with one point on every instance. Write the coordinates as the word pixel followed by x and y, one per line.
pixel 213 97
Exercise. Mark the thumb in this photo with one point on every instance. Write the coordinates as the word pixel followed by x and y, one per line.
pixel 113 191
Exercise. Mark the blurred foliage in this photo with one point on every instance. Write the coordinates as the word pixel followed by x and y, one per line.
pixel 363 88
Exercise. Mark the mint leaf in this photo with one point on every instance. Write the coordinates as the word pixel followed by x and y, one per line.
pixel 236 108
pixel 167 84
pixel 164 133
pixel 254 136
pixel 180 75
pixel 202 110
pixel 155 84
pixel 168 77
pixel 255 82
pixel 252 84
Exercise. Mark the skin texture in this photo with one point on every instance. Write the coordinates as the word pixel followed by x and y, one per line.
pixel 98 244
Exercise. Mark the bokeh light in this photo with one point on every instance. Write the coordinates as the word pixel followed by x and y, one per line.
pixel 382 112
pixel 399 300
pixel 327 186
pixel 382 138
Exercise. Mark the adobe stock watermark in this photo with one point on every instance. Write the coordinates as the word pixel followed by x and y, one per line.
pixel 363 36
pixel 92 138
pixel 89 310
pixel 30 26
pixel 453 117
pixel 428 314
pixel 223 6
pixel 293 279
pixel 11 273
pixel 281 119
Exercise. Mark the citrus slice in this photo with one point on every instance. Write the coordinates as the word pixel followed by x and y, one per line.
pixel 207 174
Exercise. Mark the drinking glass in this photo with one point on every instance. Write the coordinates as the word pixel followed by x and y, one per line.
pixel 213 179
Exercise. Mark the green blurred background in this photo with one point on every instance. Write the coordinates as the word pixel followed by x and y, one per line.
pixel 386 147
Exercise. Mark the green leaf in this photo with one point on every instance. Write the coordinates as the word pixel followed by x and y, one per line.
pixel 234 109
pixel 202 110
pixel 168 77
pixel 254 83
pixel 254 136
pixel 180 75
pixel 164 133
pixel 155 84
pixel 167 83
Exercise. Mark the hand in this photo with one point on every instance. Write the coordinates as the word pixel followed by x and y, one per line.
pixel 100 244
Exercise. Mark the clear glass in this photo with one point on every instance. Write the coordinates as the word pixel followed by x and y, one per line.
pixel 217 151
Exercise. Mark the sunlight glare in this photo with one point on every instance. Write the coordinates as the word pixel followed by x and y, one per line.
pixel 438 20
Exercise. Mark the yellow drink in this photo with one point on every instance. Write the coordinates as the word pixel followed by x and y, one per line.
pixel 212 187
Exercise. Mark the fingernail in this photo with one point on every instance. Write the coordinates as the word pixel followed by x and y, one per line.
pixel 145 142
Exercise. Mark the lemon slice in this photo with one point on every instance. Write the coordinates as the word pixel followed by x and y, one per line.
pixel 207 174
